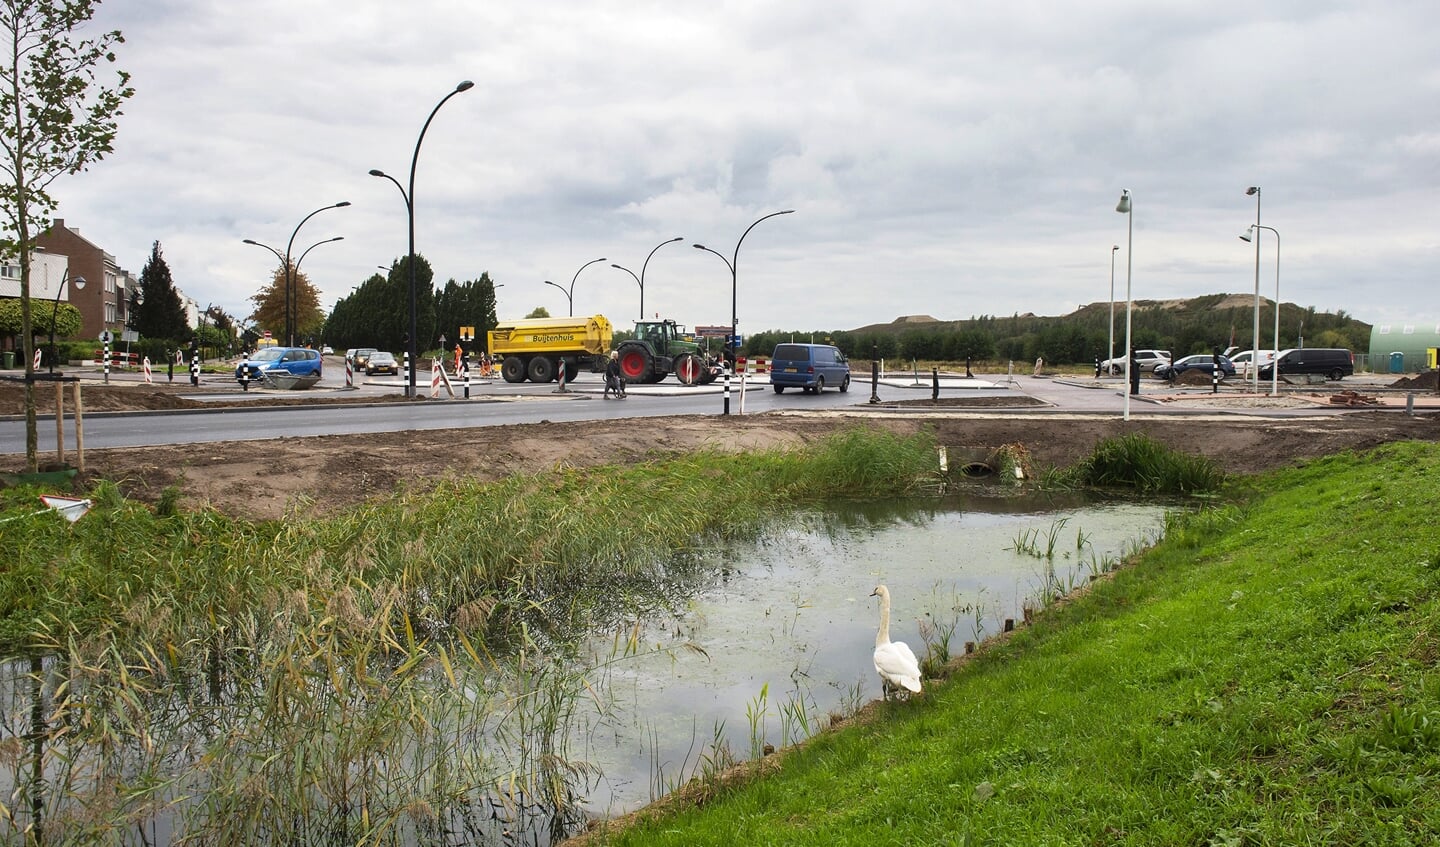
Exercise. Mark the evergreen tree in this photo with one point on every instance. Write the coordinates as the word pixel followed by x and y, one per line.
pixel 159 314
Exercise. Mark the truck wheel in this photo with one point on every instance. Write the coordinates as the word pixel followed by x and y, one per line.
pixel 688 368
pixel 541 369
pixel 636 363
pixel 513 369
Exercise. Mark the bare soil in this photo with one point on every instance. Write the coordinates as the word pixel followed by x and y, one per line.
pixel 265 478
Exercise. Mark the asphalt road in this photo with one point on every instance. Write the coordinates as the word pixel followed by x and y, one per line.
pixel 497 403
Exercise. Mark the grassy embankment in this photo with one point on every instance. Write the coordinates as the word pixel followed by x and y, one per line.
pixel 1266 675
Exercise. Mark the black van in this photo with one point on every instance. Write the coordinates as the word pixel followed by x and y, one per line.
pixel 1331 362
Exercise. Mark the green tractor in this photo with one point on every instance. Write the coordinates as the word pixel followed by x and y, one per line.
pixel 661 348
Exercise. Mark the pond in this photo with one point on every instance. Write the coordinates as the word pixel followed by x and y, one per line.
pixel 732 647
pixel 781 636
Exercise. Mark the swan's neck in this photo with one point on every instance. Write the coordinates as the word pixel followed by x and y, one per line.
pixel 883 636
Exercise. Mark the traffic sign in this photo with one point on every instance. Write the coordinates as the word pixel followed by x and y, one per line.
pixel 106 337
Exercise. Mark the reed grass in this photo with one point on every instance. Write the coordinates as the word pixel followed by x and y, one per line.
pixel 1137 461
pixel 379 676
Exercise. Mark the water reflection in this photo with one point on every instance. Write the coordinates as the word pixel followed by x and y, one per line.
pixel 789 615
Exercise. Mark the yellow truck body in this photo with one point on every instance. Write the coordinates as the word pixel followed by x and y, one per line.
pixel 536 348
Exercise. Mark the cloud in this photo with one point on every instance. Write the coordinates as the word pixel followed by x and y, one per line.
pixel 941 158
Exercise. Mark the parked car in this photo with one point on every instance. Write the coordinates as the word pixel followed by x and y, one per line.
pixel 362 357
pixel 809 367
pixel 299 361
pixel 1148 361
pixel 381 362
pixel 1330 362
pixel 1202 362
pixel 1241 360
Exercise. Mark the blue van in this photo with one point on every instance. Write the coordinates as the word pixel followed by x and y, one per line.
pixel 810 367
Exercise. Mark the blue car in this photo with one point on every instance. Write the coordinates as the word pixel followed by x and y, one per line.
pixel 809 367
pixel 1202 362
pixel 300 361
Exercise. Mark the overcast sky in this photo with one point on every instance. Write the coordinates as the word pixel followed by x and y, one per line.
pixel 948 158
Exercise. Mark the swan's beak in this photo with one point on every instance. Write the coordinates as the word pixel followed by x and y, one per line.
pixel 875 593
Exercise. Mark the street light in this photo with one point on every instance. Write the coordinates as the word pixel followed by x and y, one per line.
pixel 1125 208
pixel 77 283
pixel 570 293
pixel 302 258
pixel 640 280
pixel 289 273
pixel 1255 363
pixel 1255 333
pixel 637 282
pixel 568 296
pixel 409 197
pixel 734 264
pixel 1111 357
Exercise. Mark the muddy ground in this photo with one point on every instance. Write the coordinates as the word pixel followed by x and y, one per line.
pixel 264 478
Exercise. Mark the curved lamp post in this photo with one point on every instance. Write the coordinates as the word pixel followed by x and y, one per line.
pixel 570 292
pixel 409 197
pixel 638 282
pixel 279 257
pixel 77 283
pixel 1125 208
pixel 1111 356
pixel 568 296
pixel 291 318
pixel 1254 362
pixel 301 259
pixel 733 264
pixel 1255 334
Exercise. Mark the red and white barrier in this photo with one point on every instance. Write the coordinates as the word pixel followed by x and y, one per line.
pixel 37 356
pixel 145 366
pixel 349 373
pixel 435 378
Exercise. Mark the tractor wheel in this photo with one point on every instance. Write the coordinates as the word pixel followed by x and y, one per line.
pixel 513 369
pixel 688 368
pixel 541 369
pixel 636 363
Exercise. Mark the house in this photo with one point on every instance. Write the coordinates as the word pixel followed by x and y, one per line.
pixel 102 302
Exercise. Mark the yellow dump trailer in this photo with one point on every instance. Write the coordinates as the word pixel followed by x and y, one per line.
pixel 535 348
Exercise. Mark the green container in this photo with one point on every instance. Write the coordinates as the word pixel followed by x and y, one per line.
pixel 7 358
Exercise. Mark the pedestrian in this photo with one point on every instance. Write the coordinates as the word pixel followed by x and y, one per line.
pixel 614 377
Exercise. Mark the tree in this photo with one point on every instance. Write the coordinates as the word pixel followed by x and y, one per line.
pixel 55 119
pixel 159 312
pixel 469 303
pixel 270 307
pixel 539 312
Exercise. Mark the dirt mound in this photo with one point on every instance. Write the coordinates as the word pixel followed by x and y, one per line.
pixel 1195 377
pixel 1426 381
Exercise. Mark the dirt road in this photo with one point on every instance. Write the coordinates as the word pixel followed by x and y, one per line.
pixel 264 478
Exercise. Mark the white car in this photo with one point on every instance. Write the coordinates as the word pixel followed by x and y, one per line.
pixel 1148 360
pixel 1241 361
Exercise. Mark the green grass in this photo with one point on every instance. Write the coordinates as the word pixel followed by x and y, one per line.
pixel 1266 675
pixel 1139 462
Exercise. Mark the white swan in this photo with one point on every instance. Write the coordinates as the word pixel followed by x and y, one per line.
pixel 894 660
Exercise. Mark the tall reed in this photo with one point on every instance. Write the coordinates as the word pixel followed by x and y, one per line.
pixel 383 675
